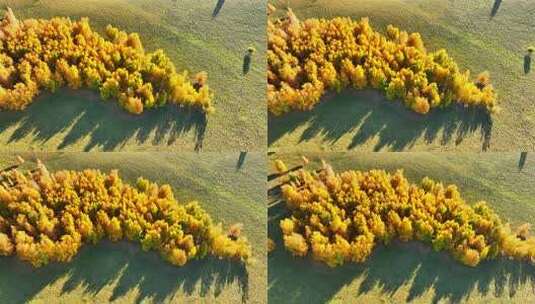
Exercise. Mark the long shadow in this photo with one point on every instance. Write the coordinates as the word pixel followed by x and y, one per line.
pixel 277 175
pixel 247 58
pixel 495 8
pixel 389 269
pixel 367 114
pixel 241 160
pixel 82 115
pixel 123 267
pixel 527 64
pixel 522 160
pixel 218 8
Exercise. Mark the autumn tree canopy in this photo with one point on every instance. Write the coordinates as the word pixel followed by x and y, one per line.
pixel 46 217
pixel 38 55
pixel 307 58
pixel 341 217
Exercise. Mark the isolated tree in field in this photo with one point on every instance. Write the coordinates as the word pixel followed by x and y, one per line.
pixel 247 59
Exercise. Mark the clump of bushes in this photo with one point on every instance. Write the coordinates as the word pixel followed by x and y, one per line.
pixel 307 58
pixel 46 217
pixel 341 217
pixel 42 54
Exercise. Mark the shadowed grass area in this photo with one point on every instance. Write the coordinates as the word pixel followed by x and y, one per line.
pixel 89 123
pixel 474 40
pixel 357 118
pixel 412 271
pixel 124 266
pixel 195 41
pixel 122 272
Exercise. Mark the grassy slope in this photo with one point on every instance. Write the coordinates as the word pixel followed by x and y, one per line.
pixel 195 40
pixel 413 272
pixel 366 121
pixel 125 274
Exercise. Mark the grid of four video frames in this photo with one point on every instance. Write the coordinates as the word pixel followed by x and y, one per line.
pixel 267 151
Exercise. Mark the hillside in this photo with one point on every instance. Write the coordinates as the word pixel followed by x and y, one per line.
pixel 412 271
pixel 122 272
pixel 477 34
pixel 210 36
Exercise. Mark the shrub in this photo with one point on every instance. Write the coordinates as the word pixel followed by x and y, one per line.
pixel 270 245
pixel 280 166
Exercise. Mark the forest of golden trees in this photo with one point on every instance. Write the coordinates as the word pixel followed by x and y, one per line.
pixel 307 58
pixel 42 54
pixel 46 217
pixel 341 217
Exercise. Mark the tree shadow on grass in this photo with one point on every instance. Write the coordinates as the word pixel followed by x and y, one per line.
pixel 527 63
pixel 217 8
pixel 522 160
pixel 241 160
pixel 82 114
pixel 246 67
pixel 367 115
pixel 400 266
pixel 495 8
pixel 125 267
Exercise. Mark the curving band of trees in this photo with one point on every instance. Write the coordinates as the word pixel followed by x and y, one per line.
pixel 340 218
pixel 42 54
pixel 307 58
pixel 46 217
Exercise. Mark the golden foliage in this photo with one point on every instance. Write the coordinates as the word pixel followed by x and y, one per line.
pixel 46 217
pixel 296 244
pixel 280 166
pixel 6 246
pixel 307 58
pixel 270 245
pixel 271 9
pixel 43 54
pixel 341 217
